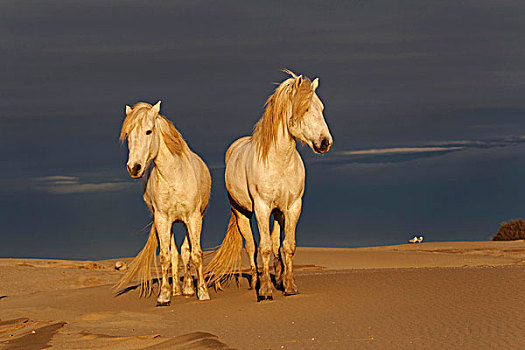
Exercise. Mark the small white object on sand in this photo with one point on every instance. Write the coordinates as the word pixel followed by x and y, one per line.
pixel 121 266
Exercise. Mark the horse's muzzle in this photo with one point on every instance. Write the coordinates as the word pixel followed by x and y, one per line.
pixel 325 145
pixel 134 171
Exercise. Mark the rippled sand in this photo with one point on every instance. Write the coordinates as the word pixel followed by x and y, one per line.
pixel 464 295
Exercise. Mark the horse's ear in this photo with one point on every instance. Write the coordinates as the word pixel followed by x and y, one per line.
pixel 315 83
pixel 128 109
pixel 156 108
pixel 299 81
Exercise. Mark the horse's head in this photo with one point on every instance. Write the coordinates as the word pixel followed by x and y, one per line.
pixel 143 136
pixel 306 121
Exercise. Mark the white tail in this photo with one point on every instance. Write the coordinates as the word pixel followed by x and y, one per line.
pixel 227 258
pixel 141 266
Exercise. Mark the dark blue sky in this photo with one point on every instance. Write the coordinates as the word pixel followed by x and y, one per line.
pixel 425 100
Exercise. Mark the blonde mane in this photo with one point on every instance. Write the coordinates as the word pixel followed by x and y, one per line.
pixel 172 138
pixel 294 95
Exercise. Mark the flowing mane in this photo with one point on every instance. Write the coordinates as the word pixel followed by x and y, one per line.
pixel 169 133
pixel 172 137
pixel 294 96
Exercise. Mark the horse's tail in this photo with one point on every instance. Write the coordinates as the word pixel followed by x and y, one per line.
pixel 141 266
pixel 227 258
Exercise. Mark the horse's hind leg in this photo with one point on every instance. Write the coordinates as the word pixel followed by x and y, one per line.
pixel 276 244
pixel 243 223
pixel 194 226
pixel 175 267
pixel 290 222
pixel 163 226
pixel 187 283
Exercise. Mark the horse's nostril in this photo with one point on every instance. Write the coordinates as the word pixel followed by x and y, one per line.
pixel 134 170
pixel 325 143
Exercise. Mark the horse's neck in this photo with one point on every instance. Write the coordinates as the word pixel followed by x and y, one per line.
pixel 284 146
pixel 169 166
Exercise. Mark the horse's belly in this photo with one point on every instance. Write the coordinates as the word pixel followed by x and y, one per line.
pixel 238 190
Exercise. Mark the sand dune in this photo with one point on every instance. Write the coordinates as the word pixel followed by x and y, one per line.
pixel 464 295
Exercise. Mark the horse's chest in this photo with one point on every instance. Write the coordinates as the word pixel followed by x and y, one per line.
pixel 172 200
pixel 281 188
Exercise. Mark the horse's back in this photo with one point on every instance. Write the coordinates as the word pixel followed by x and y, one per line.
pixel 236 145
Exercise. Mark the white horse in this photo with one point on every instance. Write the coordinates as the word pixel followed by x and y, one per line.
pixel 265 175
pixel 176 189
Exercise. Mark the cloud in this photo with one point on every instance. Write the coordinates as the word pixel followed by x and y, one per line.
pixel 87 182
pixel 62 184
pixel 413 152
pixel 402 150
pixel 57 178
pixel 501 142
pixel 76 188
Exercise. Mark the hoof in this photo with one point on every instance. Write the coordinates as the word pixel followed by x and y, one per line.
pixel 163 303
pixel 264 298
pixel 289 286
pixel 204 296
pixel 177 290
pixel 279 285
pixel 187 288
pixel 265 290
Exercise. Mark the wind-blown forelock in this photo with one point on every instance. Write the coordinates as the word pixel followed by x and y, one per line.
pixel 170 134
pixel 287 98
pixel 135 117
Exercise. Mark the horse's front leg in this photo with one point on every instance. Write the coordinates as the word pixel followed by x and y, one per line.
pixel 175 267
pixel 276 245
pixel 187 283
pixel 262 213
pixel 194 226
pixel 291 216
pixel 163 226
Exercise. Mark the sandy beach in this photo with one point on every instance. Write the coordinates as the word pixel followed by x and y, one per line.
pixel 453 295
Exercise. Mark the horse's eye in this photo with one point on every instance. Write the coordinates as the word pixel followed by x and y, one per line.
pixel 148 132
